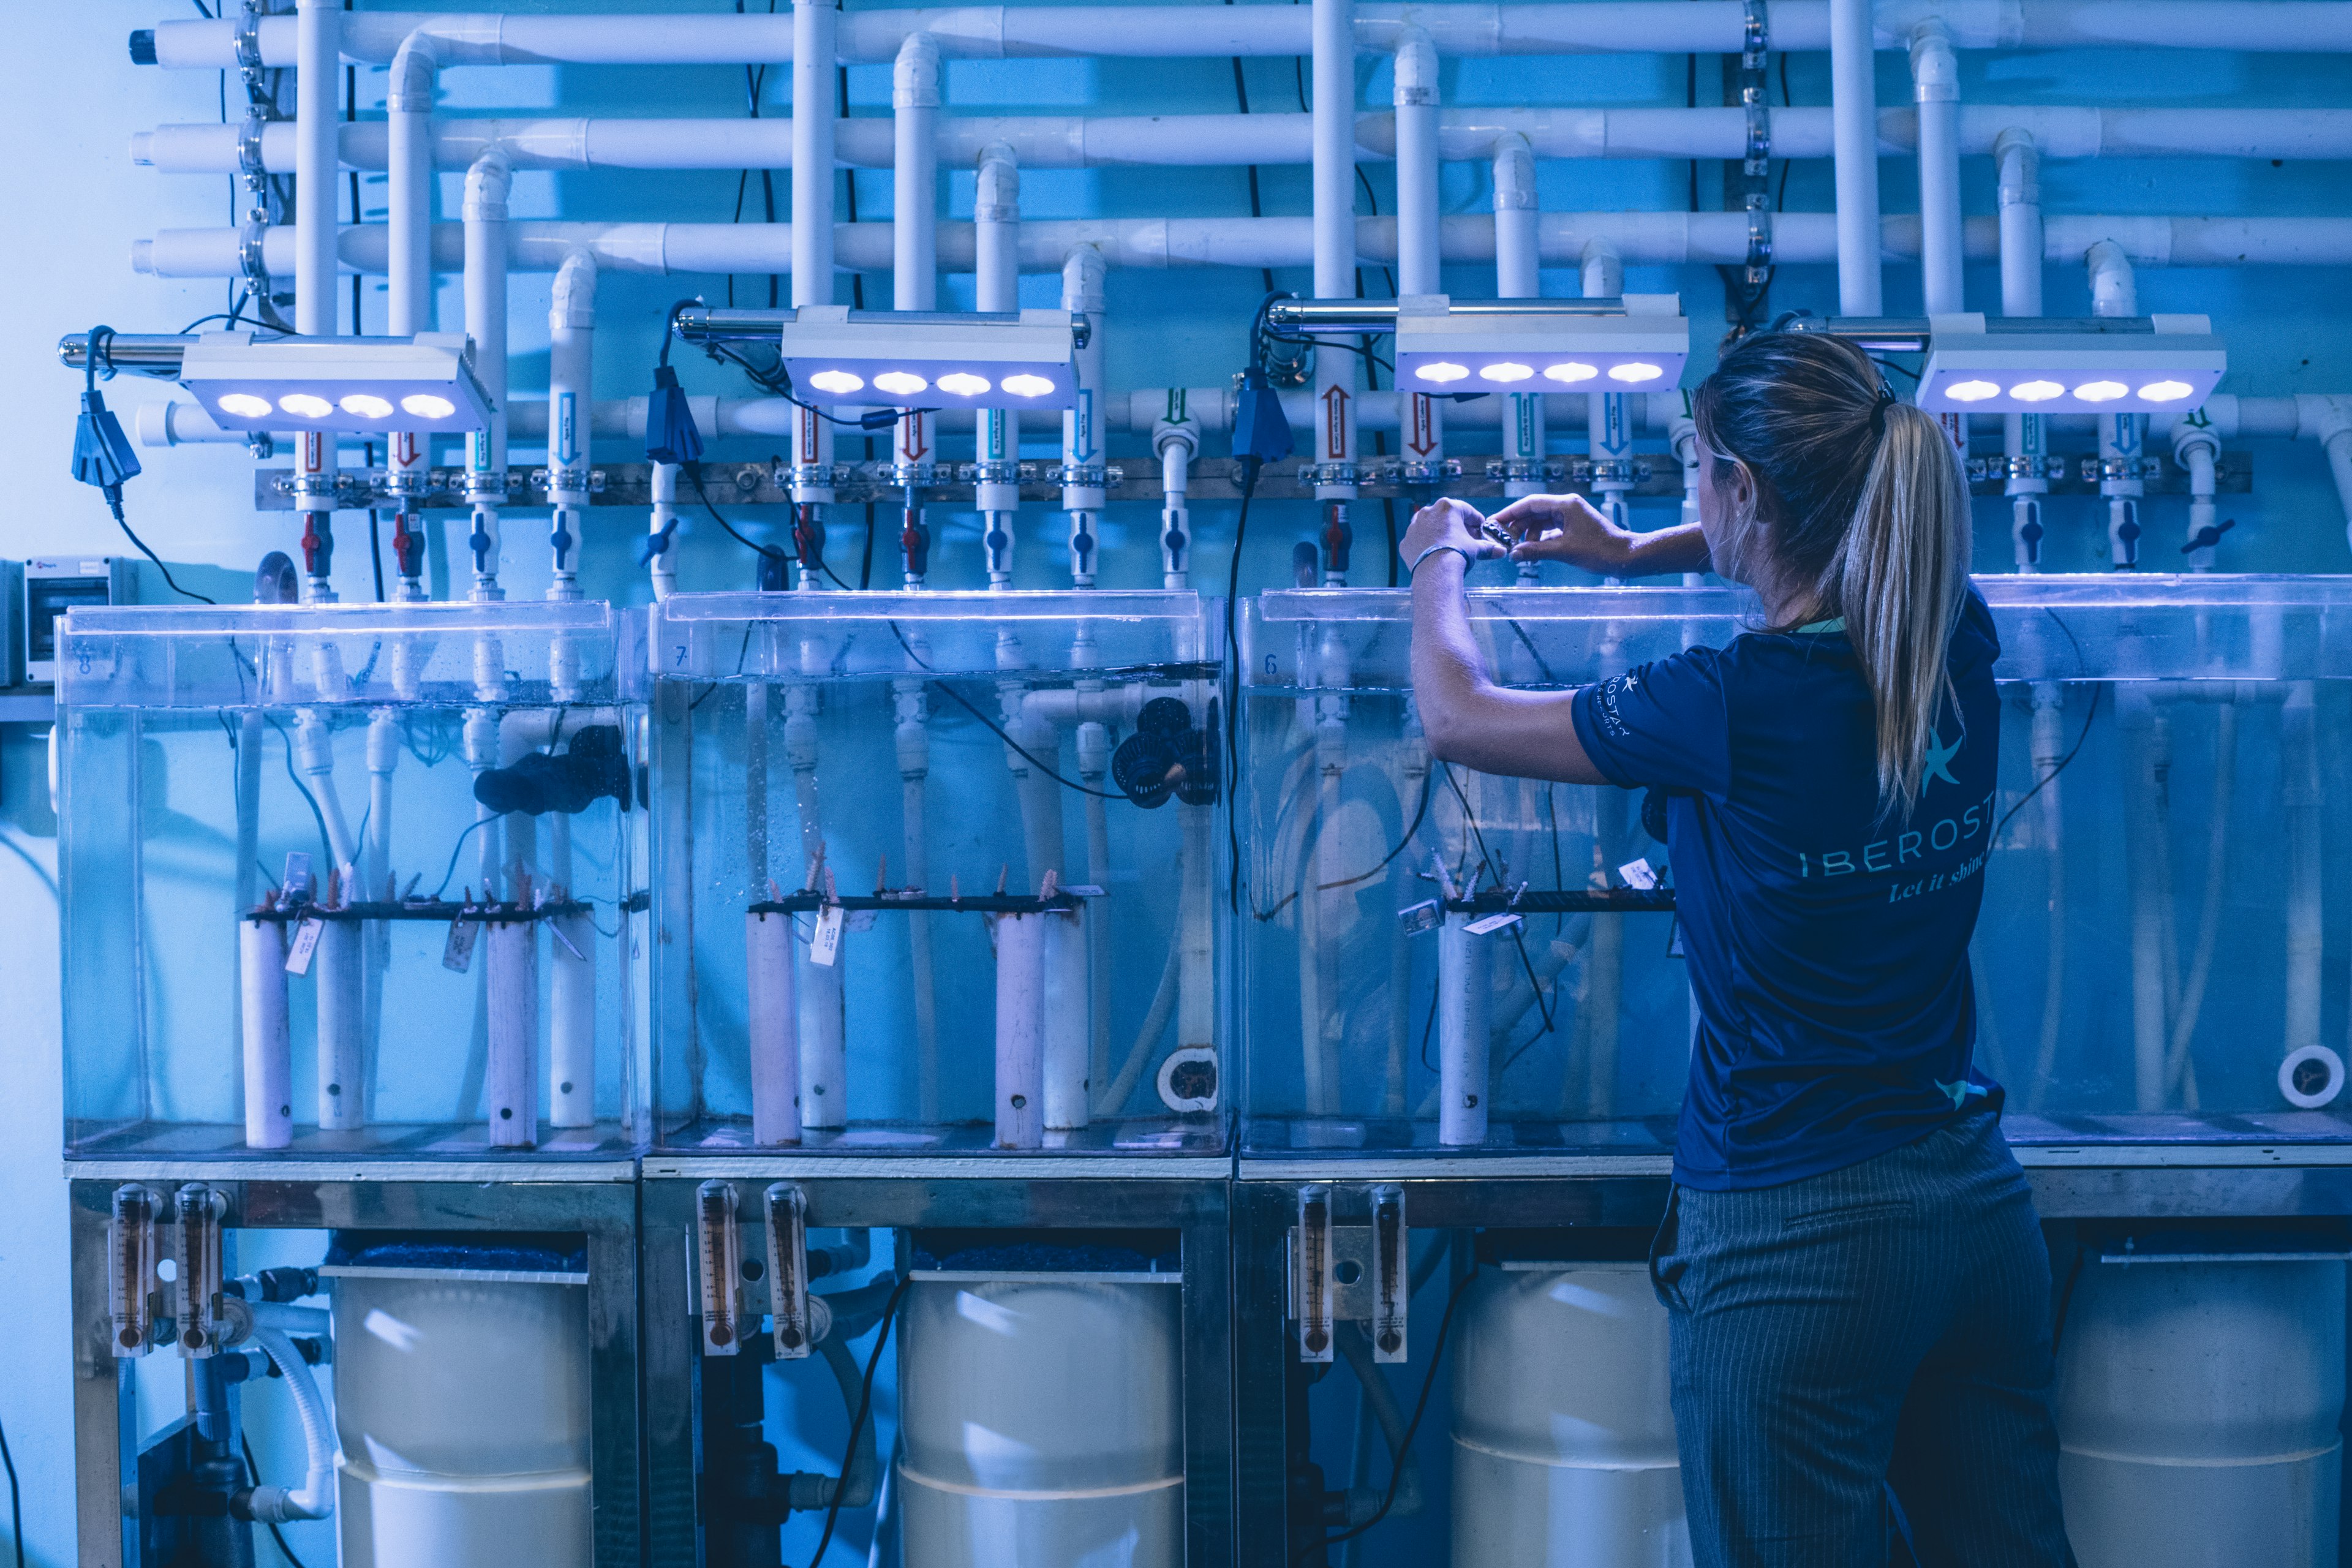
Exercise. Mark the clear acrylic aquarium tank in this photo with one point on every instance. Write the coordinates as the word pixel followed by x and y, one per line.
pixel 2164 953
pixel 938 872
pixel 351 880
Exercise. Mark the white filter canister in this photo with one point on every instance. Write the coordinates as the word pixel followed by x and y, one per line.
pixel 1042 1421
pixel 462 1410
pixel 1563 1438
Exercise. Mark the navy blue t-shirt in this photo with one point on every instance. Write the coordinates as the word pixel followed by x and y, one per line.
pixel 1828 945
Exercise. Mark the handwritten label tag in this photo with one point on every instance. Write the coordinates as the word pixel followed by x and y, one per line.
pixel 1427 915
pixel 306 942
pixel 1639 874
pixel 458 952
pixel 1486 923
pixel 824 946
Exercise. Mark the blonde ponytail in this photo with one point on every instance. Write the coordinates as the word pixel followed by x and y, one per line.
pixel 1900 575
pixel 1862 513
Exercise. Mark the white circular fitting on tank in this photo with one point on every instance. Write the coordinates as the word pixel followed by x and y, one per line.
pixel 1563 1438
pixel 2198 1410
pixel 462 1407
pixel 1042 1421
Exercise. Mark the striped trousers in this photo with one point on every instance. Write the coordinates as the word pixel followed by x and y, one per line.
pixel 1880 1329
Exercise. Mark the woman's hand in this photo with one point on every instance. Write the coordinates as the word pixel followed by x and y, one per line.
pixel 1567 529
pixel 1449 523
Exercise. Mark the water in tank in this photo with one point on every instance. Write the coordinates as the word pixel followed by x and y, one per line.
pixel 938 871
pixel 1434 959
pixel 350 880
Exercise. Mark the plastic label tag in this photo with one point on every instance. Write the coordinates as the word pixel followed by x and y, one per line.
pixel 458 952
pixel 306 942
pixel 1083 890
pixel 555 930
pixel 1427 915
pixel 824 946
pixel 297 881
pixel 1639 874
pixel 1485 924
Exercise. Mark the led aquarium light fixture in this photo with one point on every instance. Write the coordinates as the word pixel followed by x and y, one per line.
pixel 420 383
pixel 2146 365
pixel 1025 359
pixel 1458 346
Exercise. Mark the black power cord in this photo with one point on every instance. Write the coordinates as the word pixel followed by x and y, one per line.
pixel 16 1503
pixel 953 695
pixel 865 1406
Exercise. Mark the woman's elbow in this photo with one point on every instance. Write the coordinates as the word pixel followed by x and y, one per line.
pixel 1447 737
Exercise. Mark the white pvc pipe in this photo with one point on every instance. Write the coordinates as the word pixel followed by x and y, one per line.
pixel 411 154
pixel 824 1052
pixel 1854 109
pixel 571 399
pixel 268 1048
pixel 511 1081
pixel 1196 937
pixel 2024 436
pixel 813 118
pixel 1517 276
pixel 376 882
pixel 997 228
pixel 1174 441
pixel 315 1499
pixel 1936 88
pixel 340 963
pixel 2049 743
pixel 2300 793
pixel 2122 437
pixel 1066 1046
pixel 1645 239
pixel 1463 989
pixel 662 524
pixel 1464 134
pixel 2147 732
pixel 1020 1031
pixel 1084 449
pixel 1419 213
pixel 913 738
pixel 570 994
pixel 1333 232
pixel 915 172
pixel 486 265
pixel 2197 448
pixel 1094 769
pixel 771 1029
pixel 318 24
pixel 992 32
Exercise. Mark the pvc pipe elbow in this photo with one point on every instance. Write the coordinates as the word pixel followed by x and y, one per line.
pixel 1416 68
pixel 2018 160
pixel 915 75
pixel 488 182
pixel 1604 268
pixel 2115 291
pixel 313 746
pixel 1515 174
pixel 416 71
pixel 573 302
pixel 1085 277
pixel 1935 69
pixel 383 742
pixel 1094 750
pixel 2189 438
pixel 998 198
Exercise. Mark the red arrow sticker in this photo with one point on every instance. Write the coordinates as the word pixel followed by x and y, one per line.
pixel 914 440
pixel 1420 437
pixel 1335 423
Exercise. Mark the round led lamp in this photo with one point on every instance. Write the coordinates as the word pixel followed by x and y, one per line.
pixel 306 405
pixel 1568 373
pixel 1634 371
pixel 366 405
pixel 2101 391
pixel 840 382
pixel 963 383
pixel 1445 372
pixel 1508 373
pixel 1970 391
pixel 1026 386
pixel 245 405
pixel 900 384
pixel 2165 391
pixel 425 406
pixel 2036 391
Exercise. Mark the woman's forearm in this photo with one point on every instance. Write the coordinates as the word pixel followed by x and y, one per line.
pixel 1682 548
pixel 1466 717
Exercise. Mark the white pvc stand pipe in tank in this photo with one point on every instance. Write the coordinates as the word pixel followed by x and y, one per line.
pixel 339 963
pixel 268 1049
pixel 772 1029
pixel 376 883
pixel 2049 748
pixel 1067 1050
pixel 511 1080
pixel 824 1053
pixel 1042 1422
pixel 1020 1031
pixel 1094 770
pixel 1464 990
pixel 571 993
pixel 2300 792
pixel 2147 729
pixel 1196 936
pixel 1563 1440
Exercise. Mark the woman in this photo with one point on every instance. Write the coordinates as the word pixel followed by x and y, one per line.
pixel 1858 1285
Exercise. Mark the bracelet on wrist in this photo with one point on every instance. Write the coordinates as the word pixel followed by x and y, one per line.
pixel 1468 559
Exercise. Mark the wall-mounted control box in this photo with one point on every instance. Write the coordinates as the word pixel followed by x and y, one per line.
pixel 52 587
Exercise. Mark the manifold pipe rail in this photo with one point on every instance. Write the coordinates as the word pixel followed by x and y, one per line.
pixel 1642 238
pixel 1464 135
pixel 991 32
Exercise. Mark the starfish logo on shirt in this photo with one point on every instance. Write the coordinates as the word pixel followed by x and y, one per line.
pixel 1939 761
